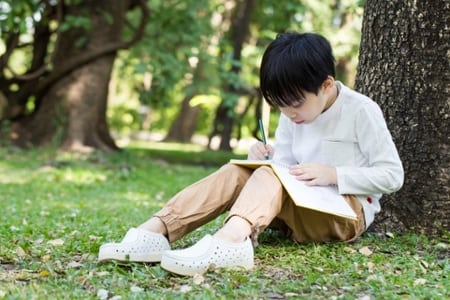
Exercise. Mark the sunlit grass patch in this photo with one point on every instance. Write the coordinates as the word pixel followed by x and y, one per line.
pixel 57 209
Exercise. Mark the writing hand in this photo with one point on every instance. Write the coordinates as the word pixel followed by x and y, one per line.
pixel 314 174
pixel 259 151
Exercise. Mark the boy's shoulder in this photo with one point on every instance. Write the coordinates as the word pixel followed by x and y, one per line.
pixel 356 101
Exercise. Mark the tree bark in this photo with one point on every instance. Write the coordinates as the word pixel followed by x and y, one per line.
pixel 404 66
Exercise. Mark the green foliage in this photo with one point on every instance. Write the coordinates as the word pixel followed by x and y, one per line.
pixel 15 16
pixel 80 22
pixel 185 25
pixel 187 49
pixel 191 31
pixel 58 208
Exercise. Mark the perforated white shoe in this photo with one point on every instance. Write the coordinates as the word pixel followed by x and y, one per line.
pixel 209 253
pixel 138 245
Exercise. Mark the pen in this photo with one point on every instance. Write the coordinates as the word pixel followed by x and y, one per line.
pixel 263 135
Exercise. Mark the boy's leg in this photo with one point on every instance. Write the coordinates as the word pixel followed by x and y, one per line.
pixel 203 201
pixel 264 201
pixel 313 226
pixel 189 209
pixel 259 202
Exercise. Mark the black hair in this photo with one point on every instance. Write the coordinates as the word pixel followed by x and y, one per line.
pixel 292 64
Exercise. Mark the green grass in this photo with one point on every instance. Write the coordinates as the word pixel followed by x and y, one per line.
pixel 57 209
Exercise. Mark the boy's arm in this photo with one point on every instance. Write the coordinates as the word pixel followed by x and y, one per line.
pixel 384 173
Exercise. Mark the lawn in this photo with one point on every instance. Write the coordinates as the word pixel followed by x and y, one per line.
pixel 57 209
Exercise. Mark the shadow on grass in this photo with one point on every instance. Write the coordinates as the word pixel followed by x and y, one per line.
pixel 205 158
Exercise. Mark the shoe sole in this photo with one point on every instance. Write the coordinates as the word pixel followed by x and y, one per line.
pixel 174 266
pixel 129 257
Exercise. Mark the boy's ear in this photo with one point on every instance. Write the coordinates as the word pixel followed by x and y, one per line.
pixel 328 83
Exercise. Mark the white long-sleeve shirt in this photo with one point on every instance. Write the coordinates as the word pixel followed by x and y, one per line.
pixel 352 136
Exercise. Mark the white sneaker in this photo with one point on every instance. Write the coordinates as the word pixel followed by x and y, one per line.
pixel 138 245
pixel 207 253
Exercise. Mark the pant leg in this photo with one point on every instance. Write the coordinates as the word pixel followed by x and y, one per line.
pixel 263 202
pixel 203 201
pixel 260 201
pixel 307 225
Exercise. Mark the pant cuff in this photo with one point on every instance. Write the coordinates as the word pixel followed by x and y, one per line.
pixel 254 229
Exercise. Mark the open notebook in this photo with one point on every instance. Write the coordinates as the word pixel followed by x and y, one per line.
pixel 322 198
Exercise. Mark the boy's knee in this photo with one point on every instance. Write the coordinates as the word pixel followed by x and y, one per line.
pixel 232 168
pixel 265 169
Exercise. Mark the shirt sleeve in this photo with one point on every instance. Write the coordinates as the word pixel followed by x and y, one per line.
pixel 384 171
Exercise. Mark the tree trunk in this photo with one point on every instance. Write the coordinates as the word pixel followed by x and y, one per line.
pixel 404 66
pixel 183 127
pixel 185 123
pixel 224 120
pixel 71 112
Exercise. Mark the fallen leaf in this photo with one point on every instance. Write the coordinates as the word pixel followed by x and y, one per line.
pixel 93 238
pixel 349 250
pixel 74 264
pixel 374 277
pixel 39 241
pixel 198 279
pixel 365 251
pixel 272 295
pixel 136 289
pixel 370 266
pixel 57 242
pixel 81 280
pixel 424 264
pixel 45 257
pixel 185 288
pixel 88 257
pixel 102 294
pixel 419 281
pixel 289 294
pixel 20 252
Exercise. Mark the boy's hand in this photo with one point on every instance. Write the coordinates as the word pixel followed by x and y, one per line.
pixel 314 174
pixel 259 151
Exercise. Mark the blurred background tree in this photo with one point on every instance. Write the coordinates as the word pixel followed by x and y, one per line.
pixel 71 71
pixel 56 66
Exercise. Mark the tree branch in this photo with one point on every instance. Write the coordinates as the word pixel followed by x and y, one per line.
pixel 85 58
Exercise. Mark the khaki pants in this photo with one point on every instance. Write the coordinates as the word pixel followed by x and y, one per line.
pixel 258 197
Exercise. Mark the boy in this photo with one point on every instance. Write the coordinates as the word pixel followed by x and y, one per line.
pixel 328 134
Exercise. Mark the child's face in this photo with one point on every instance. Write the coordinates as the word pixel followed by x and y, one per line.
pixel 307 111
